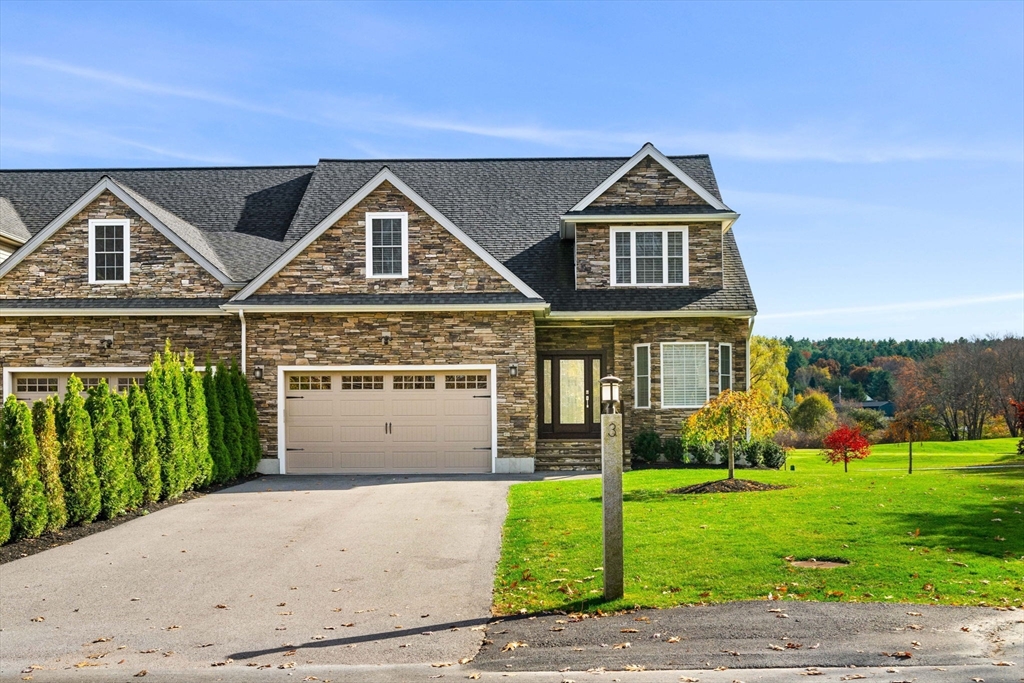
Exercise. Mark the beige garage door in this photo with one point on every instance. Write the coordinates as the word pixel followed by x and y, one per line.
pixel 375 422
pixel 33 385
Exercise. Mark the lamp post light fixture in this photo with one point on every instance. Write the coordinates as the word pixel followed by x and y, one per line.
pixel 611 486
pixel 257 371
pixel 385 337
pixel 513 369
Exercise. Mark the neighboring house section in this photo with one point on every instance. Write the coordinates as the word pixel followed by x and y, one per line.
pixel 391 316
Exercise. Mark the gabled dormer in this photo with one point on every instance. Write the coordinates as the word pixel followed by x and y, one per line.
pixel 649 224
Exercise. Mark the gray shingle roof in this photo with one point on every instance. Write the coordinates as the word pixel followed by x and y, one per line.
pixel 242 219
pixel 427 298
pixel 61 303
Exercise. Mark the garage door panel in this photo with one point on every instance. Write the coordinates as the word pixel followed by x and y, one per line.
pixel 394 426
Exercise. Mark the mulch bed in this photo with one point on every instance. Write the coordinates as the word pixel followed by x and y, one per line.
pixel 728 486
pixel 30 546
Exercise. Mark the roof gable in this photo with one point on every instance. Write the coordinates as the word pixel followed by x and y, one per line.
pixel 385 175
pixel 650 151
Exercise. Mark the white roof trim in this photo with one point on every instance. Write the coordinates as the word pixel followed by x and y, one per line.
pixel 105 312
pixel 381 308
pixel 385 174
pixel 725 216
pixel 107 184
pixel 649 150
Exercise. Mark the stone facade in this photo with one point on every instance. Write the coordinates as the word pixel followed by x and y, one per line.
pixel 335 262
pixel 78 341
pixel 593 254
pixel 427 338
pixel 59 268
pixel 649 184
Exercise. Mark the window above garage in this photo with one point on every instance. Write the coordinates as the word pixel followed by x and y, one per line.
pixel 387 240
pixel 109 251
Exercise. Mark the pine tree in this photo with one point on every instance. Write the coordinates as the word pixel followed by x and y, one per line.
pixel 44 423
pixel 5 522
pixel 165 421
pixel 107 452
pixel 78 473
pixel 232 426
pixel 197 417
pixel 19 470
pixel 126 434
pixel 179 403
pixel 215 420
pixel 145 455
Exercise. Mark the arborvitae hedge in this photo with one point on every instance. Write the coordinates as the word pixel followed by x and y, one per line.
pixel 145 455
pixel 251 422
pixel 19 470
pixel 127 437
pixel 5 522
pixel 78 473
pixel 108 452
pixel 168 434
pixel 175 383
pixel 44 423
pixel 196 400
pixel 219 455
pixel 232 425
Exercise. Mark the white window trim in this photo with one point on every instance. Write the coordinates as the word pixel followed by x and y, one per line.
pixel 404 216
pixel 664 229
pixel 731 375
pixel 93 224
pixel 707 369
pixel 636 378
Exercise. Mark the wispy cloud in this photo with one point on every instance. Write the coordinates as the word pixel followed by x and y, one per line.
pixel 906 307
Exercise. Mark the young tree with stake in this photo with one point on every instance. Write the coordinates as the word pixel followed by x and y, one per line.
pixel 845 444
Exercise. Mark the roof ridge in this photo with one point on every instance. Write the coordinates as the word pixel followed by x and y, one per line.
pixel 105 170
pixel 469 159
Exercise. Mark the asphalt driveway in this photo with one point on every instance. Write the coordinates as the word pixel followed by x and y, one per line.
pixel 310 570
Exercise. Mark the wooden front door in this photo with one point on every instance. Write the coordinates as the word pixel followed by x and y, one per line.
pixel 569 402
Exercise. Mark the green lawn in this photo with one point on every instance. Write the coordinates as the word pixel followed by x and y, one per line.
pixel 930 537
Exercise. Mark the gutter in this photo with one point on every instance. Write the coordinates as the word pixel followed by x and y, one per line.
pixel 627 315
pixel 386 308
pixel 241 318
pixel 99 312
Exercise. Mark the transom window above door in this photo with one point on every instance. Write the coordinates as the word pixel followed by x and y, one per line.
pixel 650 256
pixel 387 240
pixel 108 251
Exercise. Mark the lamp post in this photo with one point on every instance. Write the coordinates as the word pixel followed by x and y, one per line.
pixel 611 485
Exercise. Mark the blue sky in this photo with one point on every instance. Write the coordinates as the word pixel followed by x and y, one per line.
pixel 875 151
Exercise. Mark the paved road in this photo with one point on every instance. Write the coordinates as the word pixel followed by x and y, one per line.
pixel 311 570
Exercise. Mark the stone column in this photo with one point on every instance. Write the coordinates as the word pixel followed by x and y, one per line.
pixel 611 500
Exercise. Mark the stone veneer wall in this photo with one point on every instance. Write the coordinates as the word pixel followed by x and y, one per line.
pixel 427 338
pixel 59 268
pixel 75 341
pixel 336 261
pixel 593 254
pixel 649 184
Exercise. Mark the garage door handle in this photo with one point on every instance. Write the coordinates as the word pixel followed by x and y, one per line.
pixel 295 449
pixel 487 396
pixel 295 397
pixel 482 448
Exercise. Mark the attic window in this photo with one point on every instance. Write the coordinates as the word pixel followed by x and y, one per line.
pixel 108 251
pixel 387 240
pixel 650 256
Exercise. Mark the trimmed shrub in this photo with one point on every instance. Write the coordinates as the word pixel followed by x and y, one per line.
pixel 5 522
pixel 646 446
pixel 126 434
pixel 145 456
pixel 701 452
pixel 229 411
pixel 168 433
pixel 44 422
pixel 673 449
pixel 752 452
pixel 197 417
pixel 774 455
pixel 178 402
pixel 251 423
pixel 219 455
pixel 22 488
pixel 78 473
pixel 108 452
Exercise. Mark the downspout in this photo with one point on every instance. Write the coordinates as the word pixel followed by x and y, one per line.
pixel 241 318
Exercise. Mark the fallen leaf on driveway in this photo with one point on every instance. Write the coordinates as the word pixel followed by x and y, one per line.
pixel 721 668
pixel 348 625
pixel 224 663
pixel 205 645
pixel 441 665
pixel 473 677
pixel 140 674
pixel 814 647
pixel 512 645
pixel 914 627
pixel 852 677
pixel 290 653
pixel 914 614
pixel 286 665
pixel 621 646
pixel 319 637
pixel 812 672
pixel 147 652
pixel 1002 663
pixel 628 630
pixel 687 679
pixel 775 647
pixel 673 639
pixel 793 646
pixel 172 627
pixel 38 618
pixel 103 640
pixel 221 606
pixel 557 628
pixel 465 660
pixel 83 664
pixel 634 667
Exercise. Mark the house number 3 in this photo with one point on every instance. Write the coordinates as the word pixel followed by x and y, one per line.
pixel 612 430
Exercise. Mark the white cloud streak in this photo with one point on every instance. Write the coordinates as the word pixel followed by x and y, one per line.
pixel 907 307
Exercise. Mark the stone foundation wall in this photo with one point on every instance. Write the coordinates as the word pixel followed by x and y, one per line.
pixel 427 338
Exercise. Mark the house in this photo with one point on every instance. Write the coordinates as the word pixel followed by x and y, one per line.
pixel 449 315
pixel 887 408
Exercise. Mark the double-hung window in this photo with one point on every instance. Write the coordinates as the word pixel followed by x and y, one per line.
pixel 642 375
pixel 109 250
pixel 684 374
pixel 387 245
pixel 650 256
pixel 724 367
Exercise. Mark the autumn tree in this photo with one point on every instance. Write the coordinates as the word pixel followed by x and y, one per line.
pixel 845 444
pixel 912 421
pixel 731 410
pixel 961 388
pixel 768 370
pixel 77 471
pixel 1009 383
pixel 813 414
pixel 44 424
pixel 20 484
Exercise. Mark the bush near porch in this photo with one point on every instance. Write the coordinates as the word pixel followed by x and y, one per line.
pixel 937 536
pixel 70 462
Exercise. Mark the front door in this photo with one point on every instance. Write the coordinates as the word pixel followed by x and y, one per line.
pixel 570 394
